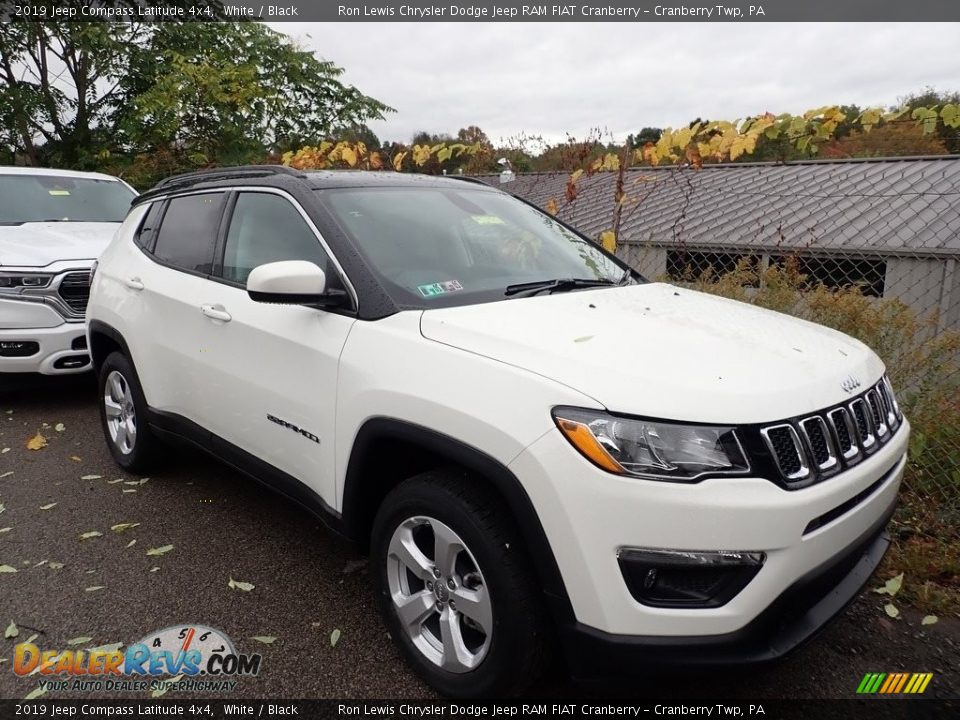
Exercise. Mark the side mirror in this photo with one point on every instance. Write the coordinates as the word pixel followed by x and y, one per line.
pixel 292 282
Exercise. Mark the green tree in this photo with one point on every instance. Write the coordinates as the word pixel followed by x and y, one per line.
pixel 930 97
pixel 72 94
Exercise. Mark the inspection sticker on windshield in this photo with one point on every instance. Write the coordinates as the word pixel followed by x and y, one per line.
pixel 440 288
pixel 486 220
pixel 58 192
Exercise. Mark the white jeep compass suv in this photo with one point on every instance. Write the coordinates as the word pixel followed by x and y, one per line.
pixel 533 442
pixel 53 225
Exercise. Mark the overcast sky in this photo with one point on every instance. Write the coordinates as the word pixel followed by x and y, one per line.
pixel 555 78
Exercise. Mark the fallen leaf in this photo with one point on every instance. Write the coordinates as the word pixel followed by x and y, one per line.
pixel 335 637
pixel 120 527
pixel 237 585
pixel 891 610
pixel 94 588
pixel 7 474
pixel 114 482
pixel 154 569
pixel 131 543
pixel 929 620
pixel 11 631
pixel 42 562
pixel 162 690
pixel 265 639
pixel 4 451
pixel 89 572
pixel 37 442
pixel 31 638
pixel 54 565
pixel 90 477
pixel 59 427
pixel 91 534
pixel 36 692
pixel 79 640
pixel 891 587
pixel 47 506
pixel 131 482
pixel 6 529
pixel 76 458
pixel 129 490
pixel 7 569
pixel 2 507
pixel 163 549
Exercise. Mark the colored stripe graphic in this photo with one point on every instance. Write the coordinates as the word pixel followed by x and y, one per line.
pixel 894 683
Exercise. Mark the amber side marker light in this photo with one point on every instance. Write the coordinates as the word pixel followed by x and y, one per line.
pixel 583 440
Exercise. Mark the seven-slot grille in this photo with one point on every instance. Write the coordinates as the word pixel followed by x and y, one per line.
pixel 820 443
pixel 75 291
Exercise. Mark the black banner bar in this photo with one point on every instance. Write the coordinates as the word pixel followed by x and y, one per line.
pixel 415 11
pixel 872 709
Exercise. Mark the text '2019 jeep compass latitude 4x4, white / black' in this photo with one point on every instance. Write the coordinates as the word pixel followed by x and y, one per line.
pixel 532 440
pixel 53 225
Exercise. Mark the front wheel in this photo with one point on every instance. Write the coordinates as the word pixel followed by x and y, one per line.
pixel 455 588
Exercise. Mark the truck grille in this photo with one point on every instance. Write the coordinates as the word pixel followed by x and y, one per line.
pixel 74 290
pixel 825 442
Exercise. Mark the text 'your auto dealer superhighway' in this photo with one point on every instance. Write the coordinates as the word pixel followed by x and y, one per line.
pixel 469 12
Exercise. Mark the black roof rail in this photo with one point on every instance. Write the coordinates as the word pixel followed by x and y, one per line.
pixel 176 182
pixel 469 179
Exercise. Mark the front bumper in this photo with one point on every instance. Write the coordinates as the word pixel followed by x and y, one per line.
pixel 60 350
pixel 792 619
pixel 588 515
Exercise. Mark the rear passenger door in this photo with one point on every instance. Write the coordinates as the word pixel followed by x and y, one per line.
pixel 271 370
pixel 167 289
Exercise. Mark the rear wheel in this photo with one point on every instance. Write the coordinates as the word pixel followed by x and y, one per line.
pixel 123 412
pixel 455 588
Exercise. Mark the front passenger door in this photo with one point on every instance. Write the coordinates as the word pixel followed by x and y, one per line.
pixel 271 370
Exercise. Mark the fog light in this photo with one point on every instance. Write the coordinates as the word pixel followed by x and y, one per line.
pixel 687 579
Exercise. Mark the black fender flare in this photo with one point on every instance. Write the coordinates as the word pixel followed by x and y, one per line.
pixel 477 462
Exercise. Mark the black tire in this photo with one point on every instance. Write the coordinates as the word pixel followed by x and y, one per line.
pixel 515 655
pixel 144 451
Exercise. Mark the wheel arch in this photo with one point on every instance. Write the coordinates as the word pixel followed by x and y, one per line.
pixel 387 451
pixel 103 340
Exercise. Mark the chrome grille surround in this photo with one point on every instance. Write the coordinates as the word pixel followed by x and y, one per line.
pixel 819 445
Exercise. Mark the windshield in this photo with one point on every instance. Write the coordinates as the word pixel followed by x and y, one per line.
pixel 437 247
pixel 52 198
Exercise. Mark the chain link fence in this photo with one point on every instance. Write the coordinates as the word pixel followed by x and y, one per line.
pixel 869 247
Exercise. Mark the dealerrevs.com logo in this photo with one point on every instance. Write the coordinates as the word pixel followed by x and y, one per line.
pixel 184 657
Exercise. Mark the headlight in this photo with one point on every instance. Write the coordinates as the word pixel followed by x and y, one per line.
pixel 13 281
pixel 652 449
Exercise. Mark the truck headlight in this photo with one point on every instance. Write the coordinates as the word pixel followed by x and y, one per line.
pixel 15 281
pixel 652 449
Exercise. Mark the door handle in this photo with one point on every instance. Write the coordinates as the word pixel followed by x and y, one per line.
pixel 217 312
pixel 134 283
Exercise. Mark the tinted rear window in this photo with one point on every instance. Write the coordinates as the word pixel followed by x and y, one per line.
pixel 188 233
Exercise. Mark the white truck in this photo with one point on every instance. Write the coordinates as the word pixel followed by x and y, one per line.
pixel 533 442
pixel 53 225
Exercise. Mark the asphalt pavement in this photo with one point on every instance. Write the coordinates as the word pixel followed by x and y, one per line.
pixel 307 585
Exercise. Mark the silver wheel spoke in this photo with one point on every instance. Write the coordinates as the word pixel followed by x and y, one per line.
pixel 414 609
pixel 404 549
pixel 447 545
pixel 121 436
pixel 456 655
pixel 475 604
pixel 112 408
pixel 116 388
pixel 131 427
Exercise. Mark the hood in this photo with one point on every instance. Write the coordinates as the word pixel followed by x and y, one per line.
pixel 42 243
pixel 665 352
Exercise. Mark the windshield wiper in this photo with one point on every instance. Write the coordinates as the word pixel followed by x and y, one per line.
pixel 556 285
